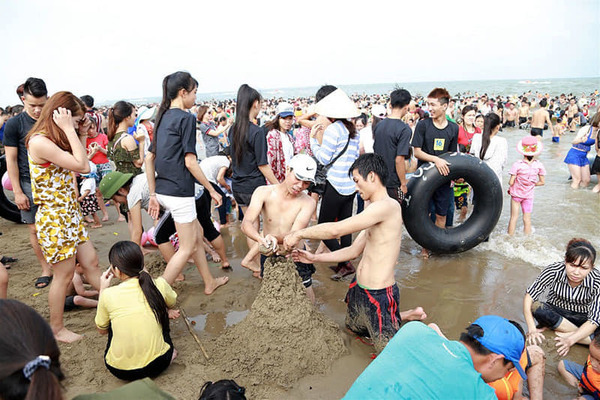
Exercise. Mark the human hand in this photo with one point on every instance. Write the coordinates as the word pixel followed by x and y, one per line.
pixel 80 199
pixel 303 256
pixel 63 119
pixel 140 137
pixel 153 207
pixel 316 130
pixel 290 241
pixel 442 166
pixel 216 197
pixel 535 337
pixel 563 345
pixel 84 125
pixel 22 201
pixel 105 279
pixel 173 314
pixel 404 189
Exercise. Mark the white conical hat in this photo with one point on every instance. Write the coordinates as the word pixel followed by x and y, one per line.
pixel 337 105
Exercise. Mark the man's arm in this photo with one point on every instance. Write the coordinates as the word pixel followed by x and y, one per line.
pixel 372 215
pixel 341 255
pixel 252 215
pixel 304 216
pixel 401 172
pixel 12 166
pixel 441 164
pixel 191 163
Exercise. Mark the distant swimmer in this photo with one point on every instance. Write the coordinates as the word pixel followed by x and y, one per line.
pixel 539 119
pixel 509 116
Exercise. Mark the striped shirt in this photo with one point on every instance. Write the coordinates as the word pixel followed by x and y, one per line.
pixel 334 141
pixel 584 298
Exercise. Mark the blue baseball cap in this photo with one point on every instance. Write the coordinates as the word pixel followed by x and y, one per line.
pixel 285 110
pixel 500 336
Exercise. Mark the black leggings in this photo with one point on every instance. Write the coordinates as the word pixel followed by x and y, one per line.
pixel 223 208
pixel 336 207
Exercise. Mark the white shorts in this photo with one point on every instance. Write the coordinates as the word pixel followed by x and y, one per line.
pixel 183 209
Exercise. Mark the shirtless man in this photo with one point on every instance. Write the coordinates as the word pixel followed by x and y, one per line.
pixel 373 295
pixel 523 111
pixel 539 118
pixel 510 115
pixel 572 111
pixel 285 208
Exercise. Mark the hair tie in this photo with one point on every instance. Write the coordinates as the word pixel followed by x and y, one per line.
pixel 30 368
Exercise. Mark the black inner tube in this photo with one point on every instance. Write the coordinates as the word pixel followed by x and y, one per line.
pixel 487 205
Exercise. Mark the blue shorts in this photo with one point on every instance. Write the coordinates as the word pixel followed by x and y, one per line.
pixel 441 199
pixel 577 371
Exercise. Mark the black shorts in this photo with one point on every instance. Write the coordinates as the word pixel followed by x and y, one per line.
pixel 441 199
pixel 373 313
pixel 522 120
pixel 153 369
pixel 537 132
pixel 242 199
pixel 550 316
pixel 509 124
pixel 304 270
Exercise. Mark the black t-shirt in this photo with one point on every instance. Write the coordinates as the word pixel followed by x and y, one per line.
pixel 435 141
pixel 174 138
pixel 392 139
pixel 15 131
pixel 246 175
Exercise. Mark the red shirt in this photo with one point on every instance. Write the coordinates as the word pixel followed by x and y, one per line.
pixel 102 140
pixel 465 138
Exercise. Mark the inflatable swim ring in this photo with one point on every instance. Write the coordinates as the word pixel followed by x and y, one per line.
pixel 487 205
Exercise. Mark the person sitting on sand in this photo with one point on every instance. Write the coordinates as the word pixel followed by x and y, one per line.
pixel 79 296
pixel 135 316
pixel 29 355
pixel 373 289
pixel 285 207
pixel 572 307
pixel 586 378
pixel 419 363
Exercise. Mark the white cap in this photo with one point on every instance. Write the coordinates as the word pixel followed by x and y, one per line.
pixel 285 110
pixel 378 111
pixel 304 167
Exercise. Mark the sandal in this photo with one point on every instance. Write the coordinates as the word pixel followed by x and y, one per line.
pixel 42 282
pixel 6 260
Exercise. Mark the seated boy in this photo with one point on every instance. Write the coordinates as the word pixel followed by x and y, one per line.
pixel 586 378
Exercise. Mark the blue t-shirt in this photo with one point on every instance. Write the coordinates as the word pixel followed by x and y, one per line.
pixel 419 364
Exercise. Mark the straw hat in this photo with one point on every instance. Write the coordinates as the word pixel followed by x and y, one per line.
pixel 337 105
pixel 529 146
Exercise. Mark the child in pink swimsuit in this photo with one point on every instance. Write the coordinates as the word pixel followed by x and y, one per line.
pixel 525 175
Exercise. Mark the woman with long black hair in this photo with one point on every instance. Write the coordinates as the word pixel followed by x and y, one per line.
pixel 490 147
pixel 173 157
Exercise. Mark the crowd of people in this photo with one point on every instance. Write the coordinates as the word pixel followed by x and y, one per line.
pixel 291 169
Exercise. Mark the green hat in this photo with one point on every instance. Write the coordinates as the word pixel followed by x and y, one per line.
pixel 112 182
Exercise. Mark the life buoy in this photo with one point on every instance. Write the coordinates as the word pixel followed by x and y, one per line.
pixel 487 204
pixel 8 209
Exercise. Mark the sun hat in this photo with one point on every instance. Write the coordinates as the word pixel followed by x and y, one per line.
pixel 500 336
pixel 378 111
pixel 112 182
pixel 336 105
pixel 285 110
pixel 304 167
pixel 529 146
pixel 146 113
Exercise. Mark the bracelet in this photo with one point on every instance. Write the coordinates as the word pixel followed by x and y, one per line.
pixel 152 194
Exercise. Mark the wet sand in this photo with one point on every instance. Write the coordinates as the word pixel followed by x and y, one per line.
pixel 454 290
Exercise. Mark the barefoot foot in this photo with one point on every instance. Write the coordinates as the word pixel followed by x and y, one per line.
pixel 220 281
pixel 180 278
pixel 66 336
pixel 175 353
pixel 425 253
pixel 416 314
pixel 105 218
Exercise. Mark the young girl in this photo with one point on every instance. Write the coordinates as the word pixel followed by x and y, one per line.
pixel 572 305
pixel 173 156
pixel 525 175
pixel 55 150
pixel 135 316
pixel 87 196
pixel 97 144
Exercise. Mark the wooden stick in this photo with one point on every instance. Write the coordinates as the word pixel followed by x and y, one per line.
pixel 193 332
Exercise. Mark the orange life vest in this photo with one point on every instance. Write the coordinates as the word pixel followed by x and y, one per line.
pixel 507 387
pixel 590 380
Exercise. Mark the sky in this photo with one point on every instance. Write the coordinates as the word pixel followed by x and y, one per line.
pixel 123 49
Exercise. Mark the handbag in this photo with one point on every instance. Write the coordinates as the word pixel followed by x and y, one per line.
pixel 318 186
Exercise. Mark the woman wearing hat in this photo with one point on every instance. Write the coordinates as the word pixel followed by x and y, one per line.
pixel 339 139
pixel 144 125
pixel 576 158
pixel 525 175
pixel 280 143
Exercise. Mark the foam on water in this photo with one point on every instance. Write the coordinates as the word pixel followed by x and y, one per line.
pixel 534 249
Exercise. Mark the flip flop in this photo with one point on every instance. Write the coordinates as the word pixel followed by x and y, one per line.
pixel 42 282
pixel 6 260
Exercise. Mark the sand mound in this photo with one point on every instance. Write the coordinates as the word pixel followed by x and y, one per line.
pixel 283 338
